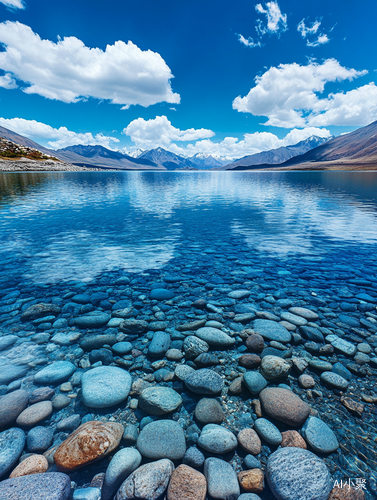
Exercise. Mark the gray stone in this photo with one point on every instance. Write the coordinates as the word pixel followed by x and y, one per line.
pixel 322 366
pixel 41 394
pixel 222 482
pixel 341 370
pixel 97 341
pixel 268 431
pixel 148 482
pixel 162 439
pixel 122 348
pixel 8 373
pixel 271 330
pixel 57 372
pixel 95 321
pixel 7 341
pixel 274 367
pixel 105 386
pixel 194 346
pixel 11 405
pixel 349 320
pixel 159 400
pixel 334 380
pixel 39 310
pixel 123 463
pixel 248 496
pixel 294 473
pixel 87 494
pixel 47 486
pixel 61 401
pixel 319 435
pixel 161 294
pixel 159 345
pixel 34 414
pixel 39 439
pixel 12 442
pixel 130 435
pixel 239 294
pixel 209 411
pixel 194 458
pixel 217 439
pixel 255 382
pixel 133 326
pixel 68 424
pixel 252 462
pixel 215 338
pixel 305 313
pixel 342 345
pixel 205 381
pixel 183 371
pixel 65 338
pixel 293 319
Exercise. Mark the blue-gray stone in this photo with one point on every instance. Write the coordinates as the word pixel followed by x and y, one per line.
pixel 205 381
pixel 121 304
pixel 271 330
pixel 322 366
pixel 159 345
pixel 294 473
pixel 252 462
pixel 92 321
pixel 319 435
pixel 8 373
pixel 87 494
pixel 159 400
pixel 341 370
pixel 349 320
pixel 123 463
pixel 239 294
pixel 105 386
pixel 249 496
pixel 12 442
pixel 60 323
pixel 39 439
pixel 11 405
pixel 7 341
pixel 122 348
pixel 334 380
pixel 162 439
pixel 217 439
pixel 161 294
pixel 221 479
pixel 55 373
pixel 268 431
pixel 293 318
pixel 51 486
pixel 313 334
pixel 215 338
pixel 130 435
pixel 193 458
pixel 255 382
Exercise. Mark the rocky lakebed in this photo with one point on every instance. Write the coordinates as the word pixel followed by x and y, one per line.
pixel 218 380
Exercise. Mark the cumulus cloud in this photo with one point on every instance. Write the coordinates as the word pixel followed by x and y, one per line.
pixel 13 4
pixel 308 31
pixel 275 20
pixel 8 82
pixel 159 132
pixel 69 71
pixel 287 96
pixel 55 138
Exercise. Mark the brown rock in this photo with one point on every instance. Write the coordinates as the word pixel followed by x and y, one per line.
pixel 35 464
pixel 235 387
pixel 352 406
pixel 346 493
pixel 255 343
pixel 98 480
pixel 284 406
pixel 252 480
pixel 249 440
pixel 306 382
pixel 90 442
pixel 187 484
pixel 257 407
pixel 34 414
pixel 11 405
pixel 250 361
pixel 292 439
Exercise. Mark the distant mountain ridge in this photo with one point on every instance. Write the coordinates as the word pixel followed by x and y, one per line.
pixel 166 159
pixel 279 155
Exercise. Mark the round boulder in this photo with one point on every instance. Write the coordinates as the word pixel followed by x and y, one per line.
pixel 105 386
pixel 204 381
pixel 159 400
pixel 162 439
pixel 283 405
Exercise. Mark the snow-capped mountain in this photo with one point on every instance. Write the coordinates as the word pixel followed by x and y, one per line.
pixel 167 159
pixel 204 160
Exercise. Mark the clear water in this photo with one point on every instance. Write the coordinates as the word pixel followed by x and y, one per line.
pixel 57 227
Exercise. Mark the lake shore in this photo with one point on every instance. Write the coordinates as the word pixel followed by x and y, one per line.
pixel 26 165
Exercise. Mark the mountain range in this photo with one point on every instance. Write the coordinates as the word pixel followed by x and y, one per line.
pixel 352 151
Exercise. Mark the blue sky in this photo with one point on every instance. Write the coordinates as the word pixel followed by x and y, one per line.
pixel 226 77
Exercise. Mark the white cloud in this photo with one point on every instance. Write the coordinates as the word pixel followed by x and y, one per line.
pixel 13 4
pixel 309 31
pixel 320 41
pixel 69 71
pixel 287 96
pixel 54 138
pixel 160 132
pixel 149 134
pixel 249 42
pixel 276 21
pixel 8 82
